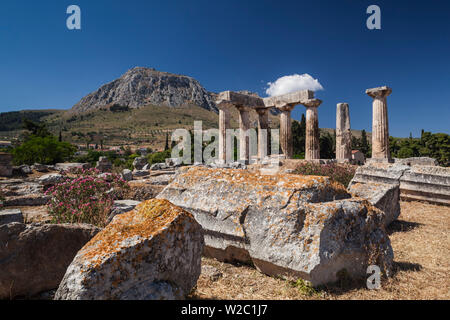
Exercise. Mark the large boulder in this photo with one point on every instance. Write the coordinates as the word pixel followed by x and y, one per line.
pixel 152 252
pixel 286 225
pixel 34 257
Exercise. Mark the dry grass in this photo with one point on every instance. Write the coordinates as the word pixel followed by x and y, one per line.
pixel 421 243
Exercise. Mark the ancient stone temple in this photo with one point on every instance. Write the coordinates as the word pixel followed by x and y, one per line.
pixel 343 133
pixel 380 127
pixel 245 104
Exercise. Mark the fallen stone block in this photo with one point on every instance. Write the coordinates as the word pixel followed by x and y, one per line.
pixel 140 173
pixel 286 225
pixel 140 162
pixel 34 257
pixel 385 197
pixel 40 167
pixel 150 253
pixel 426 183
pixel 141 190
pixel 51 179
pixel 122 206
pixel 127 175
pixel 158 166
pixel 26 200
pixel 417 161
pixel 71 165
pixel 10 215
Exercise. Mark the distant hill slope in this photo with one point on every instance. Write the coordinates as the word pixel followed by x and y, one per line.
pixel 144 86
pixel 10 121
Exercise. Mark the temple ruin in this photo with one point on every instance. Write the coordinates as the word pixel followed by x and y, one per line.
pixel 245 103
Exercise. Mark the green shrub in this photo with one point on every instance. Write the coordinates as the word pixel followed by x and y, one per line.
pixel 159 157
pixel 45 150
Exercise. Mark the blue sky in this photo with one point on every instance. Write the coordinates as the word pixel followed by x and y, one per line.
pixel 236 45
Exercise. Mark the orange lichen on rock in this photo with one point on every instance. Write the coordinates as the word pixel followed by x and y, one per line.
pixel 146 220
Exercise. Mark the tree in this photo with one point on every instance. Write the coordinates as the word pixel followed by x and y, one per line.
pixel 35 129
pixel 44 150
pixel 326 146
pixel 364 147
pixel 166 147
pixel 299 137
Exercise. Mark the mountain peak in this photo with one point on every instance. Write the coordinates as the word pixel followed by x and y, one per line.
pixel 141 86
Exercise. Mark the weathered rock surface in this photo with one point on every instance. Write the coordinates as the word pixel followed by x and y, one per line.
pixel 143 86
pixel 39 167
pixel 416 182
pixel 158 166
pixel 10 215
pixel 6 169
pixel 127 175
pixel 51 179
pixel 287 225
pixel 141 190
pixel 103 164
pixel 71 165
pixel 152 252
pixel 140 162
pixel 34 257
pixel 20 192
pixel 417 161
pixel 140 173
pixel 385 197
pixel 122 206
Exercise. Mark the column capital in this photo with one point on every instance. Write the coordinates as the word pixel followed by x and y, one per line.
pixel 380 92
pixel 224 105
pixel 312 103
pixel 262 111
pixel 283 106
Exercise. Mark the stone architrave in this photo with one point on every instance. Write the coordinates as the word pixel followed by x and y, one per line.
pixel 286 103
pixel 380 127
pixel 243 103
pixel 312 148
pixel 343 133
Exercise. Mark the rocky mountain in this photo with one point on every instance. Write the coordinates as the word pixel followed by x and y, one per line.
pixel 143 86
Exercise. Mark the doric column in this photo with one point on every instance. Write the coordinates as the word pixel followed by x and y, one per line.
pixel 244 140
pixel 312 148
pixel 343 133
pixel 285 129
pixel 263 128
pixel 224 124
pixel 380 126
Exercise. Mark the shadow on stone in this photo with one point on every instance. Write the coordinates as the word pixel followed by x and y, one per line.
pixel 402 226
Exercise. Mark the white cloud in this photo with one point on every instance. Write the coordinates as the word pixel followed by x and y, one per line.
pixel 293 83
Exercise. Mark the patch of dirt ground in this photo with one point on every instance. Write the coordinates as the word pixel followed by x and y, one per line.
pixel 421 242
